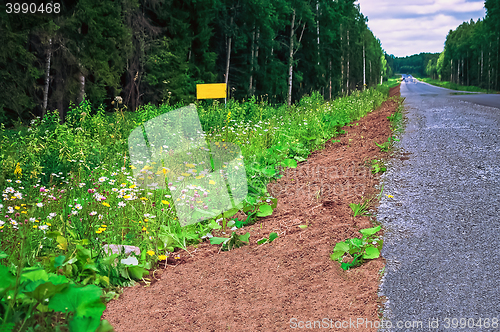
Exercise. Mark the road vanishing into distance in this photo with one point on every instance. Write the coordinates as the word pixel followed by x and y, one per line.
pixel 442 238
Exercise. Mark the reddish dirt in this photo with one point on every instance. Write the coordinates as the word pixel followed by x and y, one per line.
pixel 274 287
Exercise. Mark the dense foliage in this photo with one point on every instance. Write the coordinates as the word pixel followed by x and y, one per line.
pixel 158 50
pixel 67 192
pixel 471 55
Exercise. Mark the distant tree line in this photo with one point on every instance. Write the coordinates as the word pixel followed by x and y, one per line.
pixel 471 55
pixel 155 51
pixel 414 64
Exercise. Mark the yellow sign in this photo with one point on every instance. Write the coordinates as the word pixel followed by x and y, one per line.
pixel 211 91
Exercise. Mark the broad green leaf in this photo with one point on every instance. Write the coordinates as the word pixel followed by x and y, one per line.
pixel 218 240
pixel 84 324
pixel 270 172
pixel 355 242
pixel 341 247
pixel 273 236
pixel 262 241
pixel 105 327
pixel 83 301
pixel 369 231
pixel 6 279
pixel 336 255
pixel 245 237
pixel 3 255
pixel 265 210
pixel 46 291
pixel 371 253
pixel 292 163
pixel 137 272
pixel 34 275
pixel 59 261
pixel 230 213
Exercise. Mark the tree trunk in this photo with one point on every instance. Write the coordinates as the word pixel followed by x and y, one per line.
pixel 47 78
pixel 330 79
pixel 228 57
pixel 364 68
pixel 290 61
pixel 256 59
pixel 252 58
pixel 482 64
pixel 347 85
pixel 341 62
pixel 317 26
pixel 81 93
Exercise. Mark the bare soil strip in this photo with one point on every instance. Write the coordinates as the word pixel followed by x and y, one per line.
pixel 290 282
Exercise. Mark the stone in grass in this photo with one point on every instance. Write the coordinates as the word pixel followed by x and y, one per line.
pixel 119 248
pixel 127 250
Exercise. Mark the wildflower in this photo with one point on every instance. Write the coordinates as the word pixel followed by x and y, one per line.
pixel 390 196
pixel 150 252
pixel 105 204
pixel 78 206
pixel 93 213
pixel 39 204
pixel 51 215
pixel 121 204
pixel 165 202
pixel 144 198
pixel 102 179
pixel 211 182
pixel 43 227
pixel 99 216
pixel 18 171
pixel 162 258
pixel 132 186
pixel 17 207
pixel 144 228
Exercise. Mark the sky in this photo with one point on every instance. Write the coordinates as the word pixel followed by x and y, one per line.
pixel 407 27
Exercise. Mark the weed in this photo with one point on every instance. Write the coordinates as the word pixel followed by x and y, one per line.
pixel 352 252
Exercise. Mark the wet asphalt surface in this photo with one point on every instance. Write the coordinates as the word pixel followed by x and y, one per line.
pixel 442 239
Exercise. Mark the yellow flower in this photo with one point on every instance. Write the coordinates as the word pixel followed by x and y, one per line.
pixel 132 166
pixel 390 196
pixel 104 226
pixel 132 186
pixel 190 165
pixel 105 204
pixel 162 258
pixel 165 202
pixel 98 231
pixel 144 198
pixel 211 182
pixel 48 224
pixel 144 228
pixel 126 196
pixel 16 207
pixel 200 176
pixel 35 226
pixel 185 174
pixel 146 220
pixel 150 252
pixel 24 212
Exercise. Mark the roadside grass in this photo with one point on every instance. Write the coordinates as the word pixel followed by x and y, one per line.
pixel 454 86
pixel 393 81
pixel 68 190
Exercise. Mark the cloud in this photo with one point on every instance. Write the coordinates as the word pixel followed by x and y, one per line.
pixel 405 28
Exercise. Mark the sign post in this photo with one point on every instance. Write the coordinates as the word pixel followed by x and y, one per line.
pixel 211 91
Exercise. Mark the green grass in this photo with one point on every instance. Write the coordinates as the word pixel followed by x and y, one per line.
pixel 69 189
pixel 453 86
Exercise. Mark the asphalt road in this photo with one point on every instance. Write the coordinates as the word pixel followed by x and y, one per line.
pixel 442 239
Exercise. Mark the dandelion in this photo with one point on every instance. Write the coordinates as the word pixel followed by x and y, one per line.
pixel 162 258
pixel 211 182
pixel 165 202
pixel 150 252
pixel 105 204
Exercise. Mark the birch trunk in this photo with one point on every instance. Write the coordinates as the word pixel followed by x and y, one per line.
pixel 290 61
pixel 47 78
pixel 347 86
pixel 364 68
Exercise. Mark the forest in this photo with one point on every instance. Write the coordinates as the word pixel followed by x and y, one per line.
pixel 156 51
pixel 471 52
